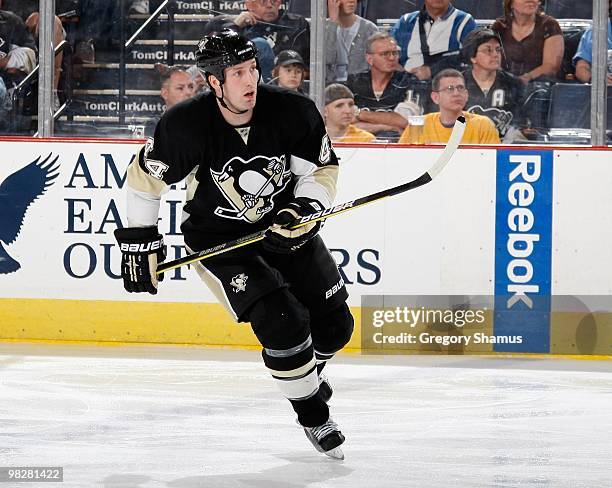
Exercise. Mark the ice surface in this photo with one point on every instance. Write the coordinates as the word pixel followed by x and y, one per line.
pixel 134 417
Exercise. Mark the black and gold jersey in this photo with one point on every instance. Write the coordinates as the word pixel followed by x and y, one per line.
pixel 237 177
pixel 502 103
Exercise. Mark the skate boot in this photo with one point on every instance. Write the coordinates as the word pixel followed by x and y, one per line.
pixel 325 389
pixel 326 438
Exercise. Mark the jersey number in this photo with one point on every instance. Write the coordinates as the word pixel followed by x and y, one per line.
pixel 156 168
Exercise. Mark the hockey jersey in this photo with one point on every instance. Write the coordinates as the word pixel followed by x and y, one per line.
pixel 237 177
pixel 501 103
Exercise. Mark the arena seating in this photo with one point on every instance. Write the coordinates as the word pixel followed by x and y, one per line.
pixel 95 98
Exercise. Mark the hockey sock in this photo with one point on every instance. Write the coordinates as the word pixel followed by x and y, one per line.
pixel 296 374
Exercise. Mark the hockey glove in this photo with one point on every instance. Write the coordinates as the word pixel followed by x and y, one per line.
pixel 142 248
pixel 281 240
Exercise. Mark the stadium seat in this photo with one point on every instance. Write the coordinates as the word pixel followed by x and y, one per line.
pixel 536 105
pixel 572 33
pixel 570 106
pixel 568 9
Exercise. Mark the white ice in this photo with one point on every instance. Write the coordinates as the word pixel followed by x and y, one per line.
pixel 198 417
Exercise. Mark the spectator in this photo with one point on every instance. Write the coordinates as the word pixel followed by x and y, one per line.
pixel 271 29
pixel 98 29
pixel 379 90
pixel 532 41
pixel 17 49
pixel 430 39
pixel 584 54
pixel 177 85
pixel 198 79
pixel 346 35
pixel 289 71
pixel 28 11
pixel 450 94
pixel 339 114
pixel 492 92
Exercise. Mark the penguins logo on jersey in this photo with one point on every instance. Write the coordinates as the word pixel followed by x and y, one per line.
pixel 250 186
pixel 239 282
pixel 501 118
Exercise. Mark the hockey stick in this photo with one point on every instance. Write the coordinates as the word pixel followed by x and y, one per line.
pixel 425 178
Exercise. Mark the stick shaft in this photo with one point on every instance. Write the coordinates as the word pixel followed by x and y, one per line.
pixel 425 178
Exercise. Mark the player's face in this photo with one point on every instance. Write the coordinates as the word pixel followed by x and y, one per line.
pixel 525 7
pixel 340 113
pixel 179 87
pixel 451 95
pixel 488 55
pixel 240 88
pixel 290 76
pixel 384 56
pixel 266 10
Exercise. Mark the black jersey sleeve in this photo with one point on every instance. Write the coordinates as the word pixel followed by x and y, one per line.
pixel 312 142
pixel 313 160
pixel 169 157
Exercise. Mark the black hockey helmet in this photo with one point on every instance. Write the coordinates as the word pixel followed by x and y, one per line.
pixel 220 50
pixel 474 40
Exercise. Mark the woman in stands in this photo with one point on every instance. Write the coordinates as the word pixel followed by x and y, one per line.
pixel 532 41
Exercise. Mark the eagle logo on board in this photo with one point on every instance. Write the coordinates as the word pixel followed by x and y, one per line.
pixel 18 192
pixel 250 186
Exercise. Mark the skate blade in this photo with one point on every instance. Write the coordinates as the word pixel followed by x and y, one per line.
pixel 335 453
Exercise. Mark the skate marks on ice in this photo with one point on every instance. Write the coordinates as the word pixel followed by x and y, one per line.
pixel 215 419
pixel 298 471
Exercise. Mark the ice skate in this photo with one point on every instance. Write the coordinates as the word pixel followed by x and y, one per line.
pixel 326 438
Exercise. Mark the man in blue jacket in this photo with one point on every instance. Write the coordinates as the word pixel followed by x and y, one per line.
pixel 430 40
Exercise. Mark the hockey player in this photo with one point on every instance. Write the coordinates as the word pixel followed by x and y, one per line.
pixel 255 157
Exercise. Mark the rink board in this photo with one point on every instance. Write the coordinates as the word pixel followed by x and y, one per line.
pixel 446 238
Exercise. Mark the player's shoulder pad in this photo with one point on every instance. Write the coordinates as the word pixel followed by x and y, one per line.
pixel 289 101
pixel 276 94
pixel 187 116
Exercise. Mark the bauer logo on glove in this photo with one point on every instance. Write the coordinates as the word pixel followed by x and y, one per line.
pixel 142 250
pixel 143 247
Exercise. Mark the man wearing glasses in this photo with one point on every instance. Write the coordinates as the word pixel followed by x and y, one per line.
pixel 379 90
pixel 494 93
pixel 450 94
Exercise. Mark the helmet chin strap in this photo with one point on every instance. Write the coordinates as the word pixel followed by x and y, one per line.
pixel 224 105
